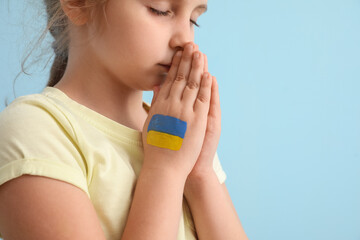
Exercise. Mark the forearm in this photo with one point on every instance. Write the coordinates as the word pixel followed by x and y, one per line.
pixel 214 214
pixel 156 207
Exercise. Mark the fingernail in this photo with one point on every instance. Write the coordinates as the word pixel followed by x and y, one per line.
pixel 196 55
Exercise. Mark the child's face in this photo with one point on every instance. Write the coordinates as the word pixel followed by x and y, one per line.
pixel 135 43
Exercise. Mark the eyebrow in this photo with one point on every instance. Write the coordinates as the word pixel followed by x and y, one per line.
pixel 202 6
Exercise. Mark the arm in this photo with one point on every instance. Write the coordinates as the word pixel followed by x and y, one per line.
pixel 214 214
pixel 33 207
pixel 156 208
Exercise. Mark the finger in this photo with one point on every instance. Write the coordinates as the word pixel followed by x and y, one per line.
pixel 196 48
pixel 165 88
pixel 205 63
pixel 202 101
pixel 214 110
pixel 156 90
pixel 193 84
pixel 183 72
pixel 213 128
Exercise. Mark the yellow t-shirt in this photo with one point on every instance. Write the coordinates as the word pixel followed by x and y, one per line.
pixel 51 135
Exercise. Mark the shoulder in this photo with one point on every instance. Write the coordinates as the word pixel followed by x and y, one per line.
pixel 28 109
pixel 36 135
pixel 37 138
pixel 35 122
pixel 32 115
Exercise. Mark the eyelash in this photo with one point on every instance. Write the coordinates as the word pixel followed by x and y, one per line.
pixel 161 13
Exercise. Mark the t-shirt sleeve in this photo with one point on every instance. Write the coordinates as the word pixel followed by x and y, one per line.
pixel 34 140
pixel 218 169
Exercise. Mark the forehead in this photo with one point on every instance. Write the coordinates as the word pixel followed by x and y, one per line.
pixel 194 4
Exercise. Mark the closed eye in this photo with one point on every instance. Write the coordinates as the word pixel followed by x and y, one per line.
pixel 167 13
pixel 158 12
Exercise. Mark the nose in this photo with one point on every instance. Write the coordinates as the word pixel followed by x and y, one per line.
pixel 181 35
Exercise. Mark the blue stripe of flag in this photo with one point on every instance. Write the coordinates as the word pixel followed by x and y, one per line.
pixel 167 124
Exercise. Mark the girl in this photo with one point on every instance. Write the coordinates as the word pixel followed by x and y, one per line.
pixel 87 159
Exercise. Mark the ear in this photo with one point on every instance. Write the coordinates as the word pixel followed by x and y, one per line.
pixel 75 11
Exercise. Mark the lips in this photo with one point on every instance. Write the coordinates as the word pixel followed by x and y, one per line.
pixel 165 66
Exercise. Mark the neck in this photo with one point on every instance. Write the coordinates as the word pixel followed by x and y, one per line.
pixel 97 91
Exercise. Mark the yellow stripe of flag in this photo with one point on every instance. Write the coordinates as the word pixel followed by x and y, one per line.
pixel 164 140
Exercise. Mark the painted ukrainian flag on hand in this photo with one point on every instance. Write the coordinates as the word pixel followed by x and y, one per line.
pixel 166 132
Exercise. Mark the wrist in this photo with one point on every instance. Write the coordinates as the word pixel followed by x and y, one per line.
pixel 164 170
pixel 197 182
pixel 169 161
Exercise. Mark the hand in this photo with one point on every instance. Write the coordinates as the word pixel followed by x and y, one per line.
pixel 204 164
pixel 185 95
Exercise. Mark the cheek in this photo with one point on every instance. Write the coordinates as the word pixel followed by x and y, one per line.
pixel 146 34
pixel 131 29
pixel 137 39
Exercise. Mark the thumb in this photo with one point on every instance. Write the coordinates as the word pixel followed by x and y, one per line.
pixel 156 90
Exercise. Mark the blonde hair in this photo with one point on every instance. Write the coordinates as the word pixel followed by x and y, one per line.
pixel 57 25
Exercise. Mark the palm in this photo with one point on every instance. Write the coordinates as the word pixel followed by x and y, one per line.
pixel 212 135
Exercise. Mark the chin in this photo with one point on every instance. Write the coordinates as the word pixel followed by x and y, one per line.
pixel 153 80
pixel 159 80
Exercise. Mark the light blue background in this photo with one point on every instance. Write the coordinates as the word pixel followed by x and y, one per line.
pixel 289 74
